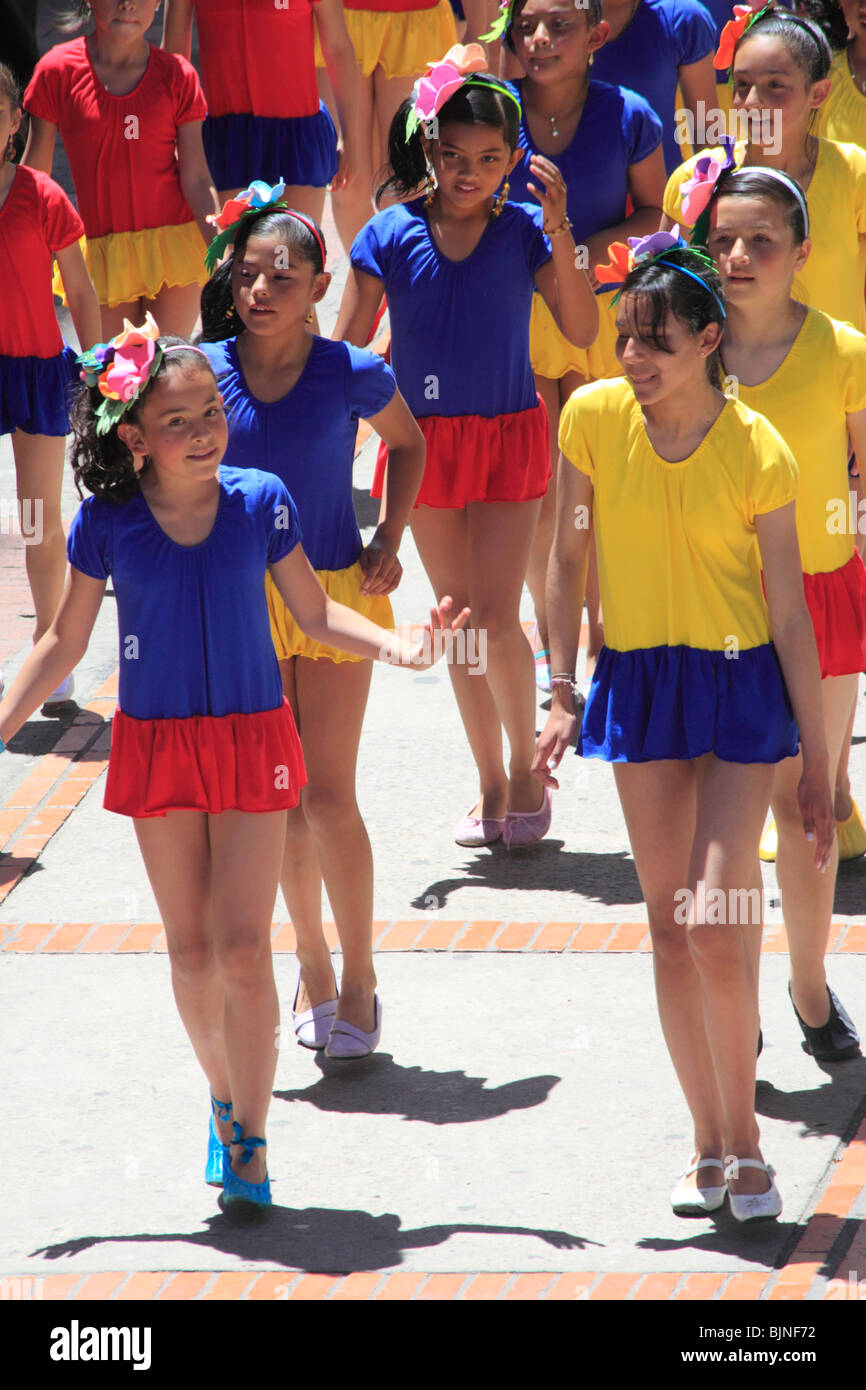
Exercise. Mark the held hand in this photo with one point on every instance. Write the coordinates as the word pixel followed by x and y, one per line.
pixel 555 738
pixel 816 808
pixel 382 569
pixel 347 167
pixel 437 635
pixel 552 194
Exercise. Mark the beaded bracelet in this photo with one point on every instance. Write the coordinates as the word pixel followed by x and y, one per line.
pixel 564 226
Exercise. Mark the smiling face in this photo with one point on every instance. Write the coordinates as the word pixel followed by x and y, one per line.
pixel 754 248
pixel 554 39
pixel 676 362
pixel 181 424
pixel 766 77
pixel 273 285
pixel 124 19
pixel 469 161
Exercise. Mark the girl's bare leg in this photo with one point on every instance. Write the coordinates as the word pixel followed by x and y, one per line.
pixel 353 206
pixel 807 895
pixel 39 478
pixel 176 309
pixel 112 318
pixel 843 802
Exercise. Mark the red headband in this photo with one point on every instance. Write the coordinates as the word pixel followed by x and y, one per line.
pixel 311 227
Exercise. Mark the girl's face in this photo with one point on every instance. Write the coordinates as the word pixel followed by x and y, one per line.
pixel 753 246
pixel 553 39
pixel 181 425
pixel 766 78
pixel 470 162
pixel 855 17
pixel 10 120
pixel 273 287
pixel 124 19
pixel 653 373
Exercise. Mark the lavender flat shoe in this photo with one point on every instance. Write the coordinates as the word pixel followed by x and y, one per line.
pixel 313 1026
pixel 347 1041
pixel 477 830
pixel 528 827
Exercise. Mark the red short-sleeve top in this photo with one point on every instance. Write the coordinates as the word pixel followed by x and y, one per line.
pixel 257 57
pixel 36 220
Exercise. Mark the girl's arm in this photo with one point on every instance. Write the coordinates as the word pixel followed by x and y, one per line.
pixel 195 177
pixel 564 593
pixel 338 626
pixel 361 299
pixel 342 66
pixel 646 186
pixel 407 452
pixel 562 283
pixel 177 27
pixel 80 296
pixel 39 152
pixel 794 639
pixel 698 84
pixel 857 435
pixel 56 653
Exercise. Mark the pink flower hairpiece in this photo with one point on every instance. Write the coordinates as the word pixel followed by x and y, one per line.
pixel 127 364
pixel 696 192
pixel 441 81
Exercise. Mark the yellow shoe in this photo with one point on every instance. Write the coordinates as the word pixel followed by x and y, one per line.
pixel 769 843
pixel 851 834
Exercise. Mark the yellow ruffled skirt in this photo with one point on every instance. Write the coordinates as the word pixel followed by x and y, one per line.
pixel 553 356
pixel 403 45
pixel 125 266
pixel 343 586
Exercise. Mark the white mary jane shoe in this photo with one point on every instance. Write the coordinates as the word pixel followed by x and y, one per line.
pixel 347 1041
pixel 695 1201
pixel 753 1206
pixel 313 1026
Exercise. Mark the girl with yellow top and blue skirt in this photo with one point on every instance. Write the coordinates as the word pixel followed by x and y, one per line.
pixel 690 495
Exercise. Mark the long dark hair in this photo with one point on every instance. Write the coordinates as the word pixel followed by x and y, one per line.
pixel 804 40
pixel 102 462
pixel 478 104
pixel 753 183
pixel 664 290
pixel 219 317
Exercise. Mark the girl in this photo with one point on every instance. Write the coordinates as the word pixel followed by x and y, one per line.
pixel 606 143
pixel 279 383
pixel 843 115
pixel 392 41
pixel 205 756
pixel 265 119
pixel 781 75
pixel 130 116
pixel 688 700
pixel 37 221
pixel 806 374
pixel 459 268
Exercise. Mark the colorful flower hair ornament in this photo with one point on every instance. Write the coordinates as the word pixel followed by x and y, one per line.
pixel 696 192
pixel 500 23
pixel 744 18
pixel 121 369
pixel 649 250
pixel 256 198
pixel 441 80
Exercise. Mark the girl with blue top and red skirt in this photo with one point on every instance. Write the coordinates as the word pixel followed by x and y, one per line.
pixel 293 402
pixel 205 756
pixel 460 267
pixel 37 224
pixel 607 143
pixel 690 495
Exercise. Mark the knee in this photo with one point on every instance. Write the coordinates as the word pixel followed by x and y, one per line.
pixel 243 955
pixel 330 811
pixel 715 949
pixel 191 956
pixel 669 938
pixel 296 824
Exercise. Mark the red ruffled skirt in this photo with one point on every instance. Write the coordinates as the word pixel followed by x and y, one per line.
pixel 837 605
pixel 471 458
pixel 237 762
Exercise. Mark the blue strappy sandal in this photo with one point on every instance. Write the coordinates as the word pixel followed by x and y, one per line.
pixel 216 1149
pixel 237 1189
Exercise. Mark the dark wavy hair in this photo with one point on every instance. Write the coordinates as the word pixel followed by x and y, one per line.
pixel 593 10
pixel 804 40
pixel 661 289
pixel 219 317
pixel 73 17
pixel 478 104
pixel 828 16
pixel 102 462
pixel 752 183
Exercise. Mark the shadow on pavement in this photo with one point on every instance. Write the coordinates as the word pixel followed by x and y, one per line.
pixel 765 1242
pixel 316 1239
pixel 826 1109
pixel 850 888
pixel 435 1097
pixel 546 867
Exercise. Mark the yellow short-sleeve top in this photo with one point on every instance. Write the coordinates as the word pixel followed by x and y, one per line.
pixel 677 548
pixel 833 278
pixel 843 115
pixel 822 379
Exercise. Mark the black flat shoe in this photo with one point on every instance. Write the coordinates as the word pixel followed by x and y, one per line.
pixel 760 1042
pixel 836 1041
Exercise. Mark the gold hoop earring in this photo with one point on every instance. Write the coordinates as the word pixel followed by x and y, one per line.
pixel 500 202
pixel 10 150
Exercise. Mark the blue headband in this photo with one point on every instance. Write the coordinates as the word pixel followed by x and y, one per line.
pixel 692 276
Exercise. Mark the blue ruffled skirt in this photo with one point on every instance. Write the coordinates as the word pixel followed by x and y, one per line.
pixel 35 393
pixel 682 702
pixel 297 149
